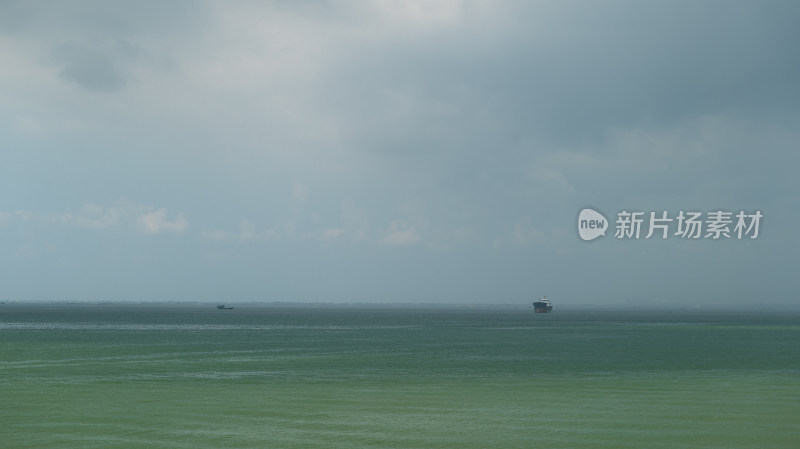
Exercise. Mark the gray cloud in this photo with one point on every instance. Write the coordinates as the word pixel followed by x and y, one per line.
pixel 572 72
pixel 66 20
pixel 357 141
pixel 93 69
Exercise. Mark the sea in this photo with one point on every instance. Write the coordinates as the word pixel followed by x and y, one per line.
pixel 124 375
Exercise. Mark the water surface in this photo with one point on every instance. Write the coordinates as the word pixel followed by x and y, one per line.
pixel 189 375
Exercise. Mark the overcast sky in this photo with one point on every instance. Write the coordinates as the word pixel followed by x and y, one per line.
pixel 389 151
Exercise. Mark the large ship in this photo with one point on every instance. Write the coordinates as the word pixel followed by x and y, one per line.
pixel 542 306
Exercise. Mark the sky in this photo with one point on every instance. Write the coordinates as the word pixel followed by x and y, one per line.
pixel 397 151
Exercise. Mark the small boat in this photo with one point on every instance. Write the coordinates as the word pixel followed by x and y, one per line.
pixel 542 306
pixel 224 307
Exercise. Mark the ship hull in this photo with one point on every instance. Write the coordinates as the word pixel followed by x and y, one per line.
pixel 542 307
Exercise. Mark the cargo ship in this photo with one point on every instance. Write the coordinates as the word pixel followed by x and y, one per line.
pixel 542 306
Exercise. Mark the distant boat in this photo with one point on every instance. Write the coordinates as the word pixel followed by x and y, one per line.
pixel 224 307
pixel 542 306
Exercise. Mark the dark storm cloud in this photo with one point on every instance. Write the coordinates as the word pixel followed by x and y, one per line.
pixel 96 17
pixel 572 72
pixel 639 93
pixel 101 70
pixel 91 42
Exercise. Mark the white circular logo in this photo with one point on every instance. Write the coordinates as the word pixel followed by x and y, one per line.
pixel 591 224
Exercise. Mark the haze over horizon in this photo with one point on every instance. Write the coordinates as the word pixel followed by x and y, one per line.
pixel 403 152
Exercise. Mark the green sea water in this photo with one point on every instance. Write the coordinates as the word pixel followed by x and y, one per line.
pixel 264 376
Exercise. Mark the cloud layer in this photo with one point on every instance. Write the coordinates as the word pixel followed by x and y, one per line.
pixel 404 151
